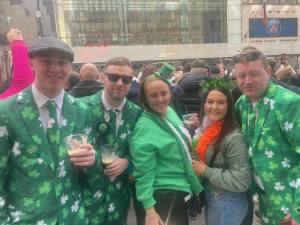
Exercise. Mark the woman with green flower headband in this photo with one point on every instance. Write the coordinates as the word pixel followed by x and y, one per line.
pixel 222 156
pixel 160 153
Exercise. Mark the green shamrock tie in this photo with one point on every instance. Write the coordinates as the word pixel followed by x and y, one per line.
pixel 112 121
pixel 53 130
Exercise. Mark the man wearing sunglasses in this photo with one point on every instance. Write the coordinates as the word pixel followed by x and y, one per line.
pixel 269 116
pixel 107 193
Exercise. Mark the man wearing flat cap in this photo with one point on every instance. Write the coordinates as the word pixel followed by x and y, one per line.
pixel 38 181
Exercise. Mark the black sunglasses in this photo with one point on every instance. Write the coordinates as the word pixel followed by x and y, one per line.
pixel 112 77
pixel 248 56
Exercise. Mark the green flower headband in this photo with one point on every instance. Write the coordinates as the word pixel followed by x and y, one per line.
pixel 218 82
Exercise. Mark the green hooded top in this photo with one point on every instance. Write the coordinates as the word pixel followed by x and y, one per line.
pixel 159 157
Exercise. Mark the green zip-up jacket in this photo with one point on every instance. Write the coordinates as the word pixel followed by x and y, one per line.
pixel 159 157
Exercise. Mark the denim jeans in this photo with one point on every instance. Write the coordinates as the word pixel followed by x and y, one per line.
pixel 228 208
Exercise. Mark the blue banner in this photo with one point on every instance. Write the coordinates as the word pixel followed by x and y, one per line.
pixel 276 27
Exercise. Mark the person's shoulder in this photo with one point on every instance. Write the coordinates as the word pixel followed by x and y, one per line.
pixel 145 116
pixel 172 115
pixel 234 137
pixel 152 118
pixel 284 96
pixel 76 102
pixel 192 78
pixel 147 119
pixel 144 123
pixel 240 102
pixel 7 103
pixel 91 99
pixel 133 106
pixel 21 97
pixel 235 132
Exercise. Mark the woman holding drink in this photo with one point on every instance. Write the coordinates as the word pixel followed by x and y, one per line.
pixel 160 153
pixel 221 146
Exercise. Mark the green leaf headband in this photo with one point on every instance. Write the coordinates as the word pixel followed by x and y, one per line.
pixel 218 82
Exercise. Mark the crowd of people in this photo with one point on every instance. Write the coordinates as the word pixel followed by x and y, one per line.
pixel 183 139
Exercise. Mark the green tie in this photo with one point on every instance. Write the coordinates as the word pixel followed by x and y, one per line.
pixel 53 130
pixel 112 121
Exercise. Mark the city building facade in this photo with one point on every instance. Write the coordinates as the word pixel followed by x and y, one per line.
pixel 161 30
pixel 33 17
pixel 143 30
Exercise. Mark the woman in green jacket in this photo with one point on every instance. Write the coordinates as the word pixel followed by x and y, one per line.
pixel 223 160
pixel 160 153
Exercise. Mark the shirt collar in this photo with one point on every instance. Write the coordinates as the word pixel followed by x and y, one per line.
pixel 40 99
pixel 108 107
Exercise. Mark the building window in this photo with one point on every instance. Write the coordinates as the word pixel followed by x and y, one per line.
pixel 16 2
pixel 271 2
pixel 140 22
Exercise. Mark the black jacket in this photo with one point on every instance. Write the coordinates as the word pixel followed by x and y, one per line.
pixel 188 94
pixel 85 88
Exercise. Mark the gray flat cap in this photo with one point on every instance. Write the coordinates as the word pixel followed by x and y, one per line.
pixel 46 44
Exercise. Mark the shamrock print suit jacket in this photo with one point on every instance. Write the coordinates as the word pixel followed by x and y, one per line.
pixel 34 189
pixel 274 151
pixel 107 202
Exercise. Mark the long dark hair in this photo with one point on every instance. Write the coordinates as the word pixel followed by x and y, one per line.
pixel 229 123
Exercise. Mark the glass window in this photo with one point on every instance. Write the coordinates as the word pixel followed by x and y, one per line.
pixel 139 22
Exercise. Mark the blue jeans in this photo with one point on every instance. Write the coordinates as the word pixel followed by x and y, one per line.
pixel 229 208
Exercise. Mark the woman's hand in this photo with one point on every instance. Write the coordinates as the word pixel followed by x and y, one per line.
pixel 198 167
pixel 152 218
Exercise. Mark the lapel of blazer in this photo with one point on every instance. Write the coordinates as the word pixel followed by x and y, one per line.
pixel 124 128
pixel 68 117
pixel 97 116
pixel 243 114
pixel 29 113
pixel 96 106
pixel 266 104
pixel 95 102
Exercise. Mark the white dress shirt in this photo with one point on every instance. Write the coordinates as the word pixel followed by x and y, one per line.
pixel 108 107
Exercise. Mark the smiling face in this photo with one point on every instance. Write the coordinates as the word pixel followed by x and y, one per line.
pixel 215 106
pixel 116 91
pixel 252 78
pixel 158 95
pixel 51 71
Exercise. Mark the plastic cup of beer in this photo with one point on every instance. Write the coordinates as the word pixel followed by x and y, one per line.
pixel 189 119
pixel 74 141
pixel 108 156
